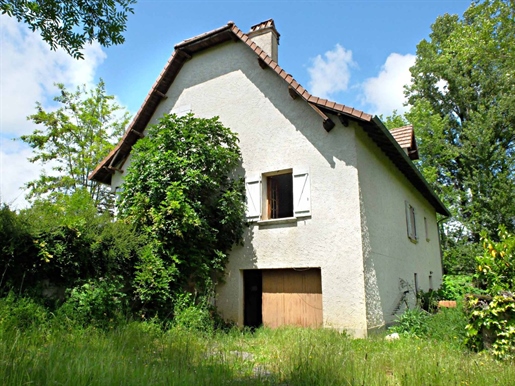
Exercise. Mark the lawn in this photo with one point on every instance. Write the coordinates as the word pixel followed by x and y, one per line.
pixel 142 353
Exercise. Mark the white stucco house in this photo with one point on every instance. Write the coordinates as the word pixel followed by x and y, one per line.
pixel 343 227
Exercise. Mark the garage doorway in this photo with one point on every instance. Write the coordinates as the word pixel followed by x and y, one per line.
pixel 277 297
pixel 253 293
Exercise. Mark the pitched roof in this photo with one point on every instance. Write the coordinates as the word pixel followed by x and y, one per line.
pixel 405 137
pixel 187 48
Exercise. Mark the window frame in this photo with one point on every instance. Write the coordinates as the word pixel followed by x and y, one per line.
pixel 426 227
pixel 257 196
pixel 411 222
pixel 269 201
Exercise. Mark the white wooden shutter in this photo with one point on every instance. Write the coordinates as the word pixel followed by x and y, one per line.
pixel 253 191
pixel 301 194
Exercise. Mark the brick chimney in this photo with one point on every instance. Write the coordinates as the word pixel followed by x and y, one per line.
pixel 266 37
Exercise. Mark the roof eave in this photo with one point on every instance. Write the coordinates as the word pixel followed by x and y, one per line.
pixel 402 161
pixel 183 51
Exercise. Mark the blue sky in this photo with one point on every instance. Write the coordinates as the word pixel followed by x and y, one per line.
pixel 354 52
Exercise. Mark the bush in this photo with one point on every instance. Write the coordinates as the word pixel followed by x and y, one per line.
pixel 16 250
pixel 21 313
pixel 492 317
pixel 455 287
pixel 63 243
pixel 413 322
pixel 181 191
pixel 191 314
pixel 99 303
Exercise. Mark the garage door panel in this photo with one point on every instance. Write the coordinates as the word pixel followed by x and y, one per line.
pixel 292 297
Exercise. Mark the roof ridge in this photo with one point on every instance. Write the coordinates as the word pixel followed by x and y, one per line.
pixel 402 127
pixel 299 89
pixel 184 51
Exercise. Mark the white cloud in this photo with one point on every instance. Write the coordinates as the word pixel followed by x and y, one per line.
pixel 385 92
pixel 28 71
pixel 16 172
pixel 332 74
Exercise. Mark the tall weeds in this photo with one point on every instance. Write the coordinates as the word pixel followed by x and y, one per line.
pixel 45 349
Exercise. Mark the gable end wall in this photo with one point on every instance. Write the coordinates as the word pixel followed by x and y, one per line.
pixel 277 132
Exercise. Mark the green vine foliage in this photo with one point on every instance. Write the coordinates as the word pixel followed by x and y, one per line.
pixel 492 317
pixel 492 324
pixel 182 192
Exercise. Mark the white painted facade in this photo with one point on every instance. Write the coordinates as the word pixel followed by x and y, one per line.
pixel 356 228
pixel 391 258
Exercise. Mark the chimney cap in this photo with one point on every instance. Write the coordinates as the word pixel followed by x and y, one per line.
pixel 264 25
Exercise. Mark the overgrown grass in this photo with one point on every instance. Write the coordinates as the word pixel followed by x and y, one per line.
pixel 141 353
pixel 37 347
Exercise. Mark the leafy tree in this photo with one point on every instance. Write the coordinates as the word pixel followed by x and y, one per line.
pixel 181 191
pixel 463 109
pixel 394 121
pixel 71 24
pixel 75 138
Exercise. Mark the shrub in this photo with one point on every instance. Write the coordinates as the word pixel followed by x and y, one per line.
pixel 491 324
pixel 191 314
pixel 492 317
pixel 99 303
pixel 182 193
pixel 21 313
pixel 455 287
pixel 16 250
pixel 413 322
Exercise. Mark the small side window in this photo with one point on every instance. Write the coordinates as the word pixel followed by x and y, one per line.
pixel 426 229
pixel 410 222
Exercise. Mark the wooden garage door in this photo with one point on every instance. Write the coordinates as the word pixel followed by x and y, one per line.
pixel 292 297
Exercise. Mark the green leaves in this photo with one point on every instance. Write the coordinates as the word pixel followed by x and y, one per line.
pixel 492 318
pixel 63 243
pixel 462 101
pixel 74 139
pixel 179 193
pixel 496 267
pixel 72 24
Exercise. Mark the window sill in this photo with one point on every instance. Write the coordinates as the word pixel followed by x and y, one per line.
pixel 414 241
pixel 279 221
